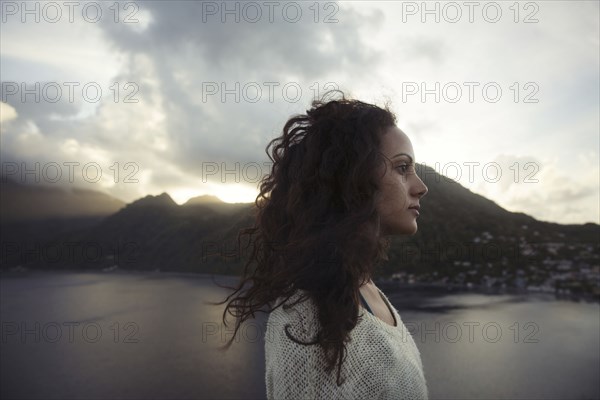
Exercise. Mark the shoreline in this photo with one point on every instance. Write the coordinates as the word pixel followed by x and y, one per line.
pixel 382 282
pixel 486 290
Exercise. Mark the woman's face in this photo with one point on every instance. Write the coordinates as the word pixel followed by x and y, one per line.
pixel 400 186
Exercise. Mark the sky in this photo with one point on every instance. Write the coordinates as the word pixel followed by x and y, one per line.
pixel 143 97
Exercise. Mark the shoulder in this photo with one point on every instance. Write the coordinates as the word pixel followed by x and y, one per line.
pixel 289 366
pixel 378 362
pixel 299 319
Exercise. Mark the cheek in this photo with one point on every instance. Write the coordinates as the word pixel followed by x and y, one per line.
pixel 399 193
pixel 393 194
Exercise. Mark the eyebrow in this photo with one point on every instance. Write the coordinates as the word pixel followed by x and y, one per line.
pixel 404 154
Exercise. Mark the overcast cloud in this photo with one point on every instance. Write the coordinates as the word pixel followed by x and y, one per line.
pixel 181 136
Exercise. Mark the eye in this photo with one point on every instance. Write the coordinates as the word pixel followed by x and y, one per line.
pixel 404 168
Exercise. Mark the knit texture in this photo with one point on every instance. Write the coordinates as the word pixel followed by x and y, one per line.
pixel 382 361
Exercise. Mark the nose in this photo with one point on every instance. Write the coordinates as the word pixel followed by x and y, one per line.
pixel 420 189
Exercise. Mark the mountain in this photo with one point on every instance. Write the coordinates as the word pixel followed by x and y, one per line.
pixel 205 199
pixel 150 233
pixel 33 215
pixel 215 204
pixel 462 237
pixel 20 202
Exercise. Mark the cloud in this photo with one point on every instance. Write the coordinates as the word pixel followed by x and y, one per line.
pixel 279 47
pixel 178 59
pixel 546 189
pixel 208 92
pixel 7 113
pixel 422 47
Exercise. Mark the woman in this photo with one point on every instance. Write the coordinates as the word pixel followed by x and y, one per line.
pixel 343 180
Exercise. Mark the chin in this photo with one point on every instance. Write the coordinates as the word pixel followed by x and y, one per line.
pixel 412 230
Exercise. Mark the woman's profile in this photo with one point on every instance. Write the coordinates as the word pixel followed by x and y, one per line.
pixel 342 182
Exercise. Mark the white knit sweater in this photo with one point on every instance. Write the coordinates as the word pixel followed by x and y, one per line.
pixel 382 361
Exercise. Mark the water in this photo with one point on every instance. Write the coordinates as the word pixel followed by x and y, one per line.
pixel 151 335
pixel 509 347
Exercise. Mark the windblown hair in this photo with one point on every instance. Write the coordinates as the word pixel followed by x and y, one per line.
pixel 316 225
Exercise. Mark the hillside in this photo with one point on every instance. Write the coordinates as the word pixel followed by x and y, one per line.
pixel 462 238
pixel 20 202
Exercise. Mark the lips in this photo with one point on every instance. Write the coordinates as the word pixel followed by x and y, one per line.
pixel 416 207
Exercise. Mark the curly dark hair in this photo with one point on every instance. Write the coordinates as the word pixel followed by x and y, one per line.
pixel 316 224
